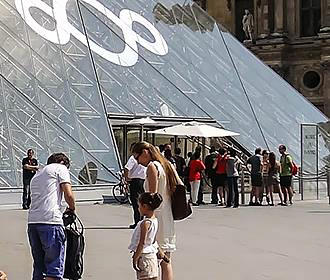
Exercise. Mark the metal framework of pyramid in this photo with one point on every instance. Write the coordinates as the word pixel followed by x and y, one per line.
pixel 65 64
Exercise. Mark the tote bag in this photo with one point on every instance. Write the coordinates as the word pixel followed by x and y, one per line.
pixel 181 208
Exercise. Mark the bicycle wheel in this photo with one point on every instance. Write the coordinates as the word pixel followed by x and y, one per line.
pixel 120 194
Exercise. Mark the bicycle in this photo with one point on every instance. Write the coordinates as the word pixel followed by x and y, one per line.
pixel 121 191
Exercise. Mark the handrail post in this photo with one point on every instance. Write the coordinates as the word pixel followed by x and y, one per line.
pixel 242 188
pixel 328 182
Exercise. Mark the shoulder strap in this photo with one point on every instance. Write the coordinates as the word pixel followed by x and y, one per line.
pixel 155 163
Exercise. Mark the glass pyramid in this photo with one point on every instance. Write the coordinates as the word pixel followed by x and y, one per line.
pixel 65 64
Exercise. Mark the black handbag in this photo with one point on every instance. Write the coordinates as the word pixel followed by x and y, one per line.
pixel 181 208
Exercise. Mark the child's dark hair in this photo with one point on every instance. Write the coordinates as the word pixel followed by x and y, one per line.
pixel 153 200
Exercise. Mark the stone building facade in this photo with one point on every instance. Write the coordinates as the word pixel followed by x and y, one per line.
pixel 291 36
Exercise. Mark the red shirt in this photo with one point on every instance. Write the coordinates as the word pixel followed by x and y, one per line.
pixel 221 164
pixel 195 167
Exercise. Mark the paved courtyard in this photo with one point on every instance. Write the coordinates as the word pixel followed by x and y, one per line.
pixel 216 243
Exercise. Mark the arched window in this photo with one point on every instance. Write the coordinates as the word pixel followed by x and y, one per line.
pixel 310 17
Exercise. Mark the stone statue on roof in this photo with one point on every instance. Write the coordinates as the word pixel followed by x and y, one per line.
pixel 248 25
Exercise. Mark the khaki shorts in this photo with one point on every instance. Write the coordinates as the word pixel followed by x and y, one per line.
pixel 148 265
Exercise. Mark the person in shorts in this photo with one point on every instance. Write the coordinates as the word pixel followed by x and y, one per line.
pixel 143 243
pixel 286 174
pixel 45 224
pixel 256 178
pixel 220 165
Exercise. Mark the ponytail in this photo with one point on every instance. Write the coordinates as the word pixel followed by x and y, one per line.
pixel 153 200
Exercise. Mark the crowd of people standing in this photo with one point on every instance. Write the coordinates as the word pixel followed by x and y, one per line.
pixel 221 171
pixel 153 174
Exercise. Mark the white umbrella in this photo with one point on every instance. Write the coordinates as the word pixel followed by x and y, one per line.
pixel 141 122
pixel 195 129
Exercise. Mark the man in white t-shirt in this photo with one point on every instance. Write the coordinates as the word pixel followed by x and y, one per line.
pixel 135 175
pixel 45 224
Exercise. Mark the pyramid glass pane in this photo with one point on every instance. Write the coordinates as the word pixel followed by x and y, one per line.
pixel 215 71
pixel 279 108
pixel 136 87
pixel 65 64
pixel 51 99
pixel 194 63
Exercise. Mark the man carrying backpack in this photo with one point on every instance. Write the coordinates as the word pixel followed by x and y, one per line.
pixel 287 166
pixel 45 223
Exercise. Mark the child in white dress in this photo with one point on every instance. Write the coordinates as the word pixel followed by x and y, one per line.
pixel 143 242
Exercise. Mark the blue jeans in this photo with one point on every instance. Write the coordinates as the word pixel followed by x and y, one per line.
pixel 233 189
pixel 48 250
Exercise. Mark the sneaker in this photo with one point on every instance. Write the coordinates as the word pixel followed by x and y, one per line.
pixel 271 204
pixel 220 204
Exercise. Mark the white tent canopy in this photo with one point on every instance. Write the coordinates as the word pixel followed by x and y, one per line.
pixel 194 129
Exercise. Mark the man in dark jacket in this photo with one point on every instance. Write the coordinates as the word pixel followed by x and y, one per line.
pixel 30 167
pixel 210 173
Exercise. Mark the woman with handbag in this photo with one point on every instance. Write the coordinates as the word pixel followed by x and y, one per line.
pixel 161 178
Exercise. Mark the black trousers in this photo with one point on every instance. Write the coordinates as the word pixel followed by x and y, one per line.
pixel 26 197
pixel 135 189
pixel 214 196
pixel 232 189
pixel 200 192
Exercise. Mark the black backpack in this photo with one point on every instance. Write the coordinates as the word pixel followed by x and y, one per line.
pixel 74 262
pixel 209 160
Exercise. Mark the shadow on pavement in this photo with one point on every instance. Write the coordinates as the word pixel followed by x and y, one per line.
pixel 103 228
pixel 319 212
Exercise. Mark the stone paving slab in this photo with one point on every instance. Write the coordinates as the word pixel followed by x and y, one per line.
pixel 216 243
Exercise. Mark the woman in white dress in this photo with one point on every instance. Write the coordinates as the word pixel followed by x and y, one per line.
pixel 160 178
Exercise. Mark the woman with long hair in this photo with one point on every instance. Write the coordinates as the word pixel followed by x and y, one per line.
pixel 273 179
pixel 161 178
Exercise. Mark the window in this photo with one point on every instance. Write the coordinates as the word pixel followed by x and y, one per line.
pixel 310 17
pixel 311 80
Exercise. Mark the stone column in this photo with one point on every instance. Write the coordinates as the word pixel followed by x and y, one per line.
pixel 326 85
pixel 279 18
pixel 325 16
pixel 262 18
